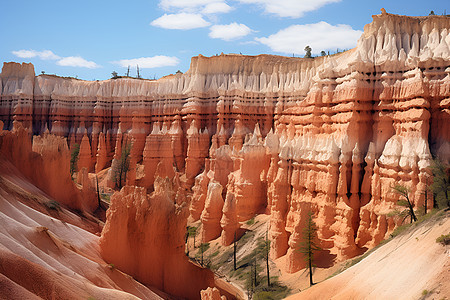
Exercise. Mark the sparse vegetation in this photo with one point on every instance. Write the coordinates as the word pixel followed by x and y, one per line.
pixel 435 213
pixel 309 244
pixel 406 202
pixel 441 184
pixel 444 239
pixel 308 52
pixel 202 249
pixel 74 159
pixel 105 197
pixel 53 205
pixel 122 167
pixel 250 222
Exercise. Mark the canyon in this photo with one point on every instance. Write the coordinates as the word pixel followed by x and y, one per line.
pixel 239 136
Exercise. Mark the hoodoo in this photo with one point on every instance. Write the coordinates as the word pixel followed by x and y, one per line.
pixel 237 136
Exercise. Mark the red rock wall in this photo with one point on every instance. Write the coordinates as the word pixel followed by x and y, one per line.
pixel 334 133
pixel 45 161
pixel 144 235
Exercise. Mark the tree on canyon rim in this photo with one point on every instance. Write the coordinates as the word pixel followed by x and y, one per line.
pixel 308 246
pixel 308 52
pixel 122 167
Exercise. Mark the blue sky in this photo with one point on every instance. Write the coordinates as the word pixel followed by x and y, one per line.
pixel 89 39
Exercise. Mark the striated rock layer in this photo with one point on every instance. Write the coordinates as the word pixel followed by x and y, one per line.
pixel 266 134
pixel 144 236
pixel 45 162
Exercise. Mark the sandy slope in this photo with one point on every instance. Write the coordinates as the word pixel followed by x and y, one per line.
pixel 401 269
pixel 42 256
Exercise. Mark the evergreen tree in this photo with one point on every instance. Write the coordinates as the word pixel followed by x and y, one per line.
pixel 441 183
pixel 74 159
pixel 308 52
pixel 234 251
pixel 264 249
pixel 123 166
pixel 309 245
pixel 409 211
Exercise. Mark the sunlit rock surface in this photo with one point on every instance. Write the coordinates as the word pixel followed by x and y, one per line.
pixel 244 135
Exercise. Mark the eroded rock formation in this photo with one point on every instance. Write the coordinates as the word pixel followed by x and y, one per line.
pixel 144 235
pixel 280 135
pixel 45 161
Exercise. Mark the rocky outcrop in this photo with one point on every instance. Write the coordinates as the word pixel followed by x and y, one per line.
pixel 102 154
pixel 211 294
pixel 84 156
pixel 151 245
pixel 212 213
pixel 280 135
pixel 45 162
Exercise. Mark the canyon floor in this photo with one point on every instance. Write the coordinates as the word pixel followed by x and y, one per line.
pixel 409 265
pixel 58 251
pixel 412 265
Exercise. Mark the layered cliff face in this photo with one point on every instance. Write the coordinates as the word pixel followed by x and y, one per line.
pixel 245 135
pixel 144 235
pixel 45 162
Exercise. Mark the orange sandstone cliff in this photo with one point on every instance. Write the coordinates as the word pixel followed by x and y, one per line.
pixel 237 136
pixel 45 162
pixel 144 236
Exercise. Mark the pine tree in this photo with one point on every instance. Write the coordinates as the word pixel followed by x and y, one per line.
pixel 122 168
pixel 309 245
pixel 308 52
pixel 441 183
pixel 234 251
pixel 74 158
pixel 265 249
pixel 404 192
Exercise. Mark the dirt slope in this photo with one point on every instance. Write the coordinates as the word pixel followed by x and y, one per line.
pixel 403 268
pixel 44 257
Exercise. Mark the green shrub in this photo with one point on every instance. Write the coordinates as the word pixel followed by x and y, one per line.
pixel 251 221
pixel 52 204
pixel 444 239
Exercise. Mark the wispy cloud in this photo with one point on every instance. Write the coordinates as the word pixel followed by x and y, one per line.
pixel 289 8
pixel 229 32
pixel 44 54
pixel 319 36
pixel 77 61
pixel 70 61
pixel 181 21
pixel 149 62
pixel 206 6
pixel 216 8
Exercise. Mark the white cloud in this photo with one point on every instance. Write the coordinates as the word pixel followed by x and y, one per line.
pixel 217 7
pixel 182 21
pixel 229 32
pixel 44 54
pixel 289 8
pixel 186 4
pixel 76 61
pixel 149 62
pixel 319 36
pixel 196 6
